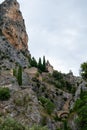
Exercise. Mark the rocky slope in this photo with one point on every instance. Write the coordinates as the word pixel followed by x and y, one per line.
pixel 44 98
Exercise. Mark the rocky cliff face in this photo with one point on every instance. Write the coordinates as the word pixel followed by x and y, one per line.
pixel 12 24
pixel 13 36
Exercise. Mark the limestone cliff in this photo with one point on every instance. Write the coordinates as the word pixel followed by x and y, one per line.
pixel 13 36
pixel 12 24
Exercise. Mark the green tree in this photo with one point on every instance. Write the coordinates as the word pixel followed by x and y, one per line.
pixel 33 62
pixel 44 64
pixel 83 70
pixel 65 125
pixel 19 75
pixel 40 64
pixel 81 109
pixel 14 72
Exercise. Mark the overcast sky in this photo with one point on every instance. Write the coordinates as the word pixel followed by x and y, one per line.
pixel 58 30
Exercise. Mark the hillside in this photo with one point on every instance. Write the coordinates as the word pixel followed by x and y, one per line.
pixel 34 96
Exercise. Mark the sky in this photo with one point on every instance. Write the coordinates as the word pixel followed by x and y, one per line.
pixel 58 30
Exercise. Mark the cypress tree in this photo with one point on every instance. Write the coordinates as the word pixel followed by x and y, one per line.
pixel 33 62
pixel 65 125
pixel 19 76
pixel 15 72
pixel 40 67
pixel 44 64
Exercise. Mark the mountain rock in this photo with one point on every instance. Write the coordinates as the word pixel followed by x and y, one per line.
pixel 12 24
pixel 13 36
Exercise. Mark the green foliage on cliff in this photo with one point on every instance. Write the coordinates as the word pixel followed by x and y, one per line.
pixel 58 79
pixel 11 124
pixel 33 62
pixel 81 109
pixel 47 104
pixel 4 93
pixel 83 70
pixel 19 75
pixel 41 64
pixel 17 72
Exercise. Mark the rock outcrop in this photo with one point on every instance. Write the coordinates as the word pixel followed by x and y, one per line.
pixel 13 36
pixel 12 24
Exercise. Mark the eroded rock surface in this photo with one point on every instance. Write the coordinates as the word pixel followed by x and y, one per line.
pixel 12 24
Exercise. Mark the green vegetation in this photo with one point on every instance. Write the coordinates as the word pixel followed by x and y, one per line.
pixel 65 126
pixel 81 109
pixel 47 104
pixel 11 124
pixel 14 72
pixel 1 34
pixel 17 72
pixel 19 76
pixel 83 70
pixel 4 93
pixel 40 65
pixel 44 64
pixel 57 75
pixel 33 62
pixel 59 81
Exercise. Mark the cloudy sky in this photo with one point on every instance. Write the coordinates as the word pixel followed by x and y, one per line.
pixel 58 30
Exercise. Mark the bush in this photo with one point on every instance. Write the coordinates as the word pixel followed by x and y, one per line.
pixel 81 109
pixel 4 93
pixel 57 75
pixel 11 124
pixel 83 71
pixel 47 104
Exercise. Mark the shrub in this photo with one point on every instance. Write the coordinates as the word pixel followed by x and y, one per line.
pixel 83 71
pixel 4 93
pixel 81 109
pixel 11 124
pixel 47 104
pixel 57 75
